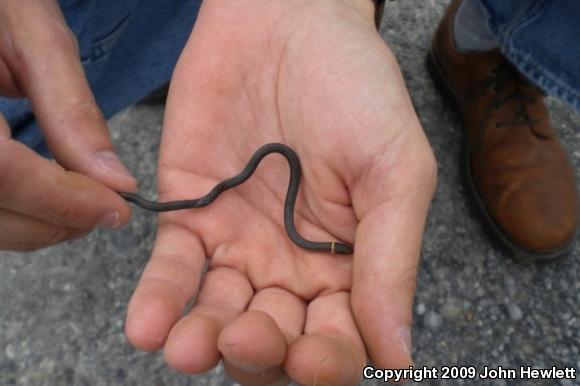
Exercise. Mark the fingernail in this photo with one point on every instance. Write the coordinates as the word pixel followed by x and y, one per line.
pixel 405 337
pixel 109 161
pixel 110 220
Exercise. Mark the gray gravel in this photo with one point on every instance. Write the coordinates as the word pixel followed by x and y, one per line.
pixel 62 309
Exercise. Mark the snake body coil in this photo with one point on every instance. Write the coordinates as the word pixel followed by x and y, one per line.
pixel 295 173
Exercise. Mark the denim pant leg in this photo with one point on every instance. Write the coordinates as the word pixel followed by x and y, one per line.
pixel 128 48
pixel 542 38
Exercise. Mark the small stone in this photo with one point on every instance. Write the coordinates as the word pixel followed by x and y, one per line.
pixel 420 309
pixel 451 309
pixel 515 312
pixel 10 351
pixel 510 285
pixel 47 364
pixel 433 320
pixel 564 285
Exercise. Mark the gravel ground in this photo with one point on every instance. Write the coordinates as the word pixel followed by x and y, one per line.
pixel 62 309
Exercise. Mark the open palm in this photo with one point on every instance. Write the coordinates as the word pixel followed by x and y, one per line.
pixel 316 77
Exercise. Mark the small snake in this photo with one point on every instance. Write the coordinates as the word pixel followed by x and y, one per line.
pixel 295 172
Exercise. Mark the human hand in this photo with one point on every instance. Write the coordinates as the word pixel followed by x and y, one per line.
pixel 42 202
pixel 317 77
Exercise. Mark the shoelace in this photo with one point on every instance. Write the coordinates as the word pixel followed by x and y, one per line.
pixel 505 75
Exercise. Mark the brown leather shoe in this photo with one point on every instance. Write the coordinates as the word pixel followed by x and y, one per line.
pixel 516 166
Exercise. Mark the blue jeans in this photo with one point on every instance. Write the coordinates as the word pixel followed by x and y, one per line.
pixel 542 38
pixel 128 49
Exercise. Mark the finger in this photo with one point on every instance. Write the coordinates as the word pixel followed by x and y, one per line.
pixel 192 344
pixel 253 349
pixel 168 283
pixel 45 63
pixel 24 234
pixel 8 86
pixel 254 345
pixel 331 352
pixel 388 245
pixel 285 308
pixel 39 188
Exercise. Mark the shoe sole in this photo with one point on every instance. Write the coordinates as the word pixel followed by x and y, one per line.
pixel 519 253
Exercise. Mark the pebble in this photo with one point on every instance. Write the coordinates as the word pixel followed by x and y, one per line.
pixel 10 351
pixel 420 309
pixel 515 312
pixel 510 285
pixel 433 320
pixel 451 309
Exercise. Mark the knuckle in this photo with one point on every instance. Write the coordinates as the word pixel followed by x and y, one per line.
pixel 54 38
pixel 66 37
pixel 432 168
pixel 429 170
pixel 66 214
pixel 57 36
pixel 82 112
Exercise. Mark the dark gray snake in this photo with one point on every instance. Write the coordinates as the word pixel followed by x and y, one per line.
pixel 295 173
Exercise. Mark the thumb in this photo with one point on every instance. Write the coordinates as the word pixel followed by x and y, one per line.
pixel 45 61
pixel 388 245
